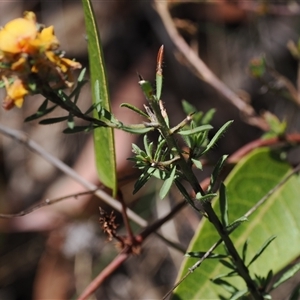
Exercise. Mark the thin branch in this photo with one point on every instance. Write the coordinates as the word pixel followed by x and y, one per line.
pixel 44 203
pixel 140 238
pixel 34 147
pixel 272 191
pixel 289 138
pixel 92 287
pixel 203 71
pixel 193 268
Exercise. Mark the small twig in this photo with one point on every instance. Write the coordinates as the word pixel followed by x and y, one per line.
pixel 125 218
pixel 203 71
pixel 92 287
pixel 193 268
pixel 289 138
pixel 44 203
pixel 34 147
pixel 126 252
pixel 272 191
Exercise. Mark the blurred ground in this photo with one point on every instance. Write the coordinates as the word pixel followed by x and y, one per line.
pixel 43 257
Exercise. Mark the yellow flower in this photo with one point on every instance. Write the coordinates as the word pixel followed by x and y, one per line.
pixel 15 93
pixel 22 35
pixel 16 35
pixel 64 64
pixel 45 40
pixel 27 47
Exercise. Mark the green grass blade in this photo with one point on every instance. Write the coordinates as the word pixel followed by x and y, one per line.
pixel 103 137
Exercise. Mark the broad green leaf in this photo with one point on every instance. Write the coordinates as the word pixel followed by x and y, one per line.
pixel 249 181
pixel 103 137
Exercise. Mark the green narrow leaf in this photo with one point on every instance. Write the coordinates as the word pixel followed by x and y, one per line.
pixel 53 120
pixel 236 223
pixel 287 275
pixel 103 137
pixel 223 205
pixel 197 163
pixel 185 194
pixel 195 130
pixel 216 137
pixel 167 184
pixel 206 197
pixel 225 285
pixel 145 176
pixel 200 254
pixel 208 116
pixel 136 129
pixel 227 264
pixel 244 251
pixel 188 108
pixel 71 123
pixel 217 169
pixel 147 89
pixel 239 294
pixel 147 146
pixel 262 249
pixel 135 109
pixel 42 111
pixel 77 129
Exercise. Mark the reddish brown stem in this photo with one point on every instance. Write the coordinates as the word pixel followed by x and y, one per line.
pixel 93 286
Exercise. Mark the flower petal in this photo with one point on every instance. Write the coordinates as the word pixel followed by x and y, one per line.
pixel 16 34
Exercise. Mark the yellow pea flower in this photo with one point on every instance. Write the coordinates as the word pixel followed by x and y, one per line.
pixel 16 36
pixel 15 93
pixel 64 64
pixel 27 47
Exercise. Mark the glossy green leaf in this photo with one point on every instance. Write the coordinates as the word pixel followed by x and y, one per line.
pixel 103 137
pixel 249 181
